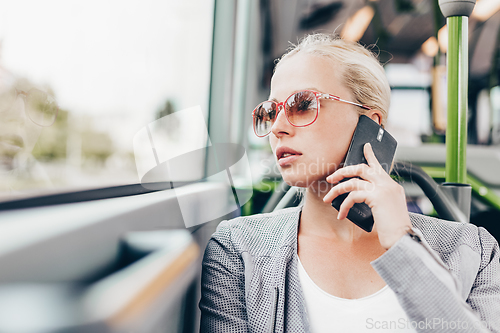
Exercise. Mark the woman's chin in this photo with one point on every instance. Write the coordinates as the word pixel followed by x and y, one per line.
pixel 296 183
pixel 303 180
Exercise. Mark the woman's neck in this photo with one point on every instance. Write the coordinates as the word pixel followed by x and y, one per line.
pixel 320 219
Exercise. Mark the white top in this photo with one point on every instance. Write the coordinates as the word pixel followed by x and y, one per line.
pixel 379 312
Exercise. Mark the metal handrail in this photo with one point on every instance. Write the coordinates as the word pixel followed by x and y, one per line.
pixel 446 208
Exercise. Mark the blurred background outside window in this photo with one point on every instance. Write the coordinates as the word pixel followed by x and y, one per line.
pixel 79 79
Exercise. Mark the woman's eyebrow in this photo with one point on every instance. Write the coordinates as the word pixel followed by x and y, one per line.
pixel 295 91
pixel 314 89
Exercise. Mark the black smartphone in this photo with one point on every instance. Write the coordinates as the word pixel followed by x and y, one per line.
pixel 384 148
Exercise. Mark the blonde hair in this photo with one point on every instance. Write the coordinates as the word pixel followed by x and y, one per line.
pixel 361 71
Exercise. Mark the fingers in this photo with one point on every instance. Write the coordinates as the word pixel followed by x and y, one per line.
pixel 372 159
pixel 364 179
pixel 347 171
pixel 350 200
pixel 354 184
pixel 370 172
pixel 370 155
pixel 359 170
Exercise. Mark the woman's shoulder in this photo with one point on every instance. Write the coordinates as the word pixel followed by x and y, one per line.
pixel 446 236
pixel 261 232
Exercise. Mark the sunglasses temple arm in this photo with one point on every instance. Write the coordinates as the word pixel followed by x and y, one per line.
pixel 356 104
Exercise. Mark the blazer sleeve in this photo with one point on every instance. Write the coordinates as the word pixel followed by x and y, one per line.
pixel 484 297
pixel 222 304
pixel 430 294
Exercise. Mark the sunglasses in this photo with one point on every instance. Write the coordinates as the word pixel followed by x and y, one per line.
pixel 41 108
pixel 301 109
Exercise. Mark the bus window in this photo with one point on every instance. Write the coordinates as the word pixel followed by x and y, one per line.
pixel 79 80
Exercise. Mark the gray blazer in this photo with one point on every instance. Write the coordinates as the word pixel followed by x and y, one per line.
pixel 448 276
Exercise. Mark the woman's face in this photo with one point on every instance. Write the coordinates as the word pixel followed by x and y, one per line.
pixel 317 149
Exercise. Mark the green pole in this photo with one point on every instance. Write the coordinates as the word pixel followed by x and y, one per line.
pixel 457 14
pixel 456 128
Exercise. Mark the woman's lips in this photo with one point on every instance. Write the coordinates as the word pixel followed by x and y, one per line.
pixel 11 143
pixel 287 160
pixel 286 155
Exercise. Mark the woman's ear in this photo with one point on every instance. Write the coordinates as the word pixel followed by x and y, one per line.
pixel 375 115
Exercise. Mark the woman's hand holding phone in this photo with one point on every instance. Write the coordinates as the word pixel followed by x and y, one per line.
pixel 379 191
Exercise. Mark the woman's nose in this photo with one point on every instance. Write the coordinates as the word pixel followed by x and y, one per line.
pixel 281 125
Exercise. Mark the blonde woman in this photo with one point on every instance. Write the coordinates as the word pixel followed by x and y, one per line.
pixel 309 269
